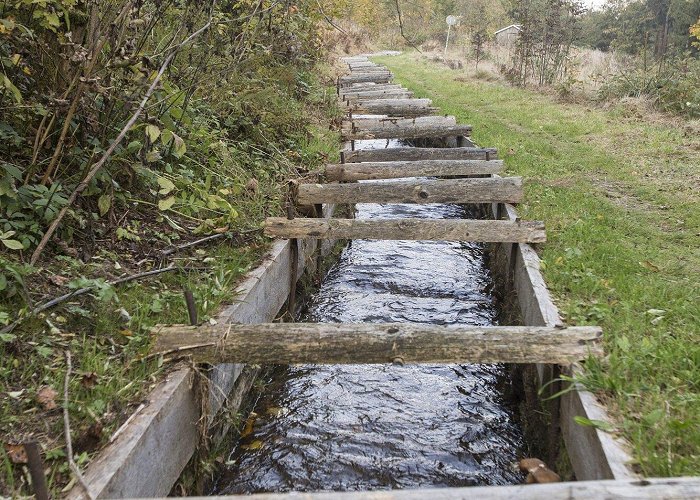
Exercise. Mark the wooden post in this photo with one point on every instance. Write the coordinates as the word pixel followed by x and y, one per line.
pixel 36 470
pixel 191 306
pixel 294 256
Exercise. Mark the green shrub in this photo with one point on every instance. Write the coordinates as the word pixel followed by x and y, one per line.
pixel 674 88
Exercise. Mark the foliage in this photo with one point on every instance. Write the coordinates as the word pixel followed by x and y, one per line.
pixel 73 72
pixel 424 20
pixel 674 87
pixel 660 27
pixel 694 31
pixel 234 116
pixel 548 30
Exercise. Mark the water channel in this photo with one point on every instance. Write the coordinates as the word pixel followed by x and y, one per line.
pixel 365 427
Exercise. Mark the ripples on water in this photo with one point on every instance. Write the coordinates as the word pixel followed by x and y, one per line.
pixel 361 427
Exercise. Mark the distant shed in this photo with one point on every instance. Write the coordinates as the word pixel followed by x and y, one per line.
pixel 507 35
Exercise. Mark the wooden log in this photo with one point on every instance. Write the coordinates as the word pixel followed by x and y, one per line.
pixel 350 172
pixel 376 77
pixel 486 190
pixel 416 154
pixel 369 71
pixel 359 343
pixel 378 94
pixel 397 111
pixel 394 107
pixel 676 488
pixel 392 123
pixel 485 231
pixel 371 87
pixel 408 103
pixel 407 128
pixel 355 69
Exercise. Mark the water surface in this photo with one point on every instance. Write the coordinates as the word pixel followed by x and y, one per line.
pixel 363 427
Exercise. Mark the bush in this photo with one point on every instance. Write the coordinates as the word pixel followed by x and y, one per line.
pixel 675 88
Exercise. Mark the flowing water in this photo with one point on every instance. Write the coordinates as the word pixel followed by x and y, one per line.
pixel 363 427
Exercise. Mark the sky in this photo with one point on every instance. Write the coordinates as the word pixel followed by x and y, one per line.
pixel 593 3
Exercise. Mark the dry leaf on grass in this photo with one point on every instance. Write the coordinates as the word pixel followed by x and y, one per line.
pixel 16 452
pixel 46 397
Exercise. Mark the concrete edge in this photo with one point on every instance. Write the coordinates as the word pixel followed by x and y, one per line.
pixel 153 447
pixel 594 454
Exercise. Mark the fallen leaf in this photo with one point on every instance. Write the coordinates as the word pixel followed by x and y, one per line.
pixel 16 452
pixel 538 472
pixel 656 312
pixel 89 380
pixel 249 425
pixel 649 265
pixel 252 185
pixel 58 280
pixel 46 397
pixel 255 445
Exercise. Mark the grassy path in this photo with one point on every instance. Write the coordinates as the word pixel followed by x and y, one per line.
pixel 619 195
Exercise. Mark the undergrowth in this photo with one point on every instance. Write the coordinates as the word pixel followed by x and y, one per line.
pixel 245 104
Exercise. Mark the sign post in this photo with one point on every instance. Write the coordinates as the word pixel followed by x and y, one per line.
pixel 451 21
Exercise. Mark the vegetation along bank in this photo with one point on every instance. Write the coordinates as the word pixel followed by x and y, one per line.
pixel 129 130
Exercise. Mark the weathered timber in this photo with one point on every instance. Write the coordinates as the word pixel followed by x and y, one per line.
pixel 594 453
pixel 388 122
pixel 486 190
pixel 367 87
pixel 376 77
pixel 407 128
pixel 676 488
pixel 485 231
pixel 367 69
pixel 335 343
pixel 350 172
pixel 394 107
pixel 404 103
pixel 416 154
pixel 377 94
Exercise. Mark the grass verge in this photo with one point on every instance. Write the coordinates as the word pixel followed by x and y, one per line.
pixel 619 194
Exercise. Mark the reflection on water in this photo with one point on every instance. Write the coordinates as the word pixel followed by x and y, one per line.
pixel 362 427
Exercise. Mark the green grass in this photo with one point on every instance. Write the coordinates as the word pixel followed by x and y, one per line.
pixel 619 196
pixel 109 380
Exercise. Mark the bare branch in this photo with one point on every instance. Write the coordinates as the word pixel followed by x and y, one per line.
pixel 97 166
pixel 398 12
pixel 66 428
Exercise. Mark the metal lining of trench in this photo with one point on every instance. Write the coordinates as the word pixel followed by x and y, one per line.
pixel 368 427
